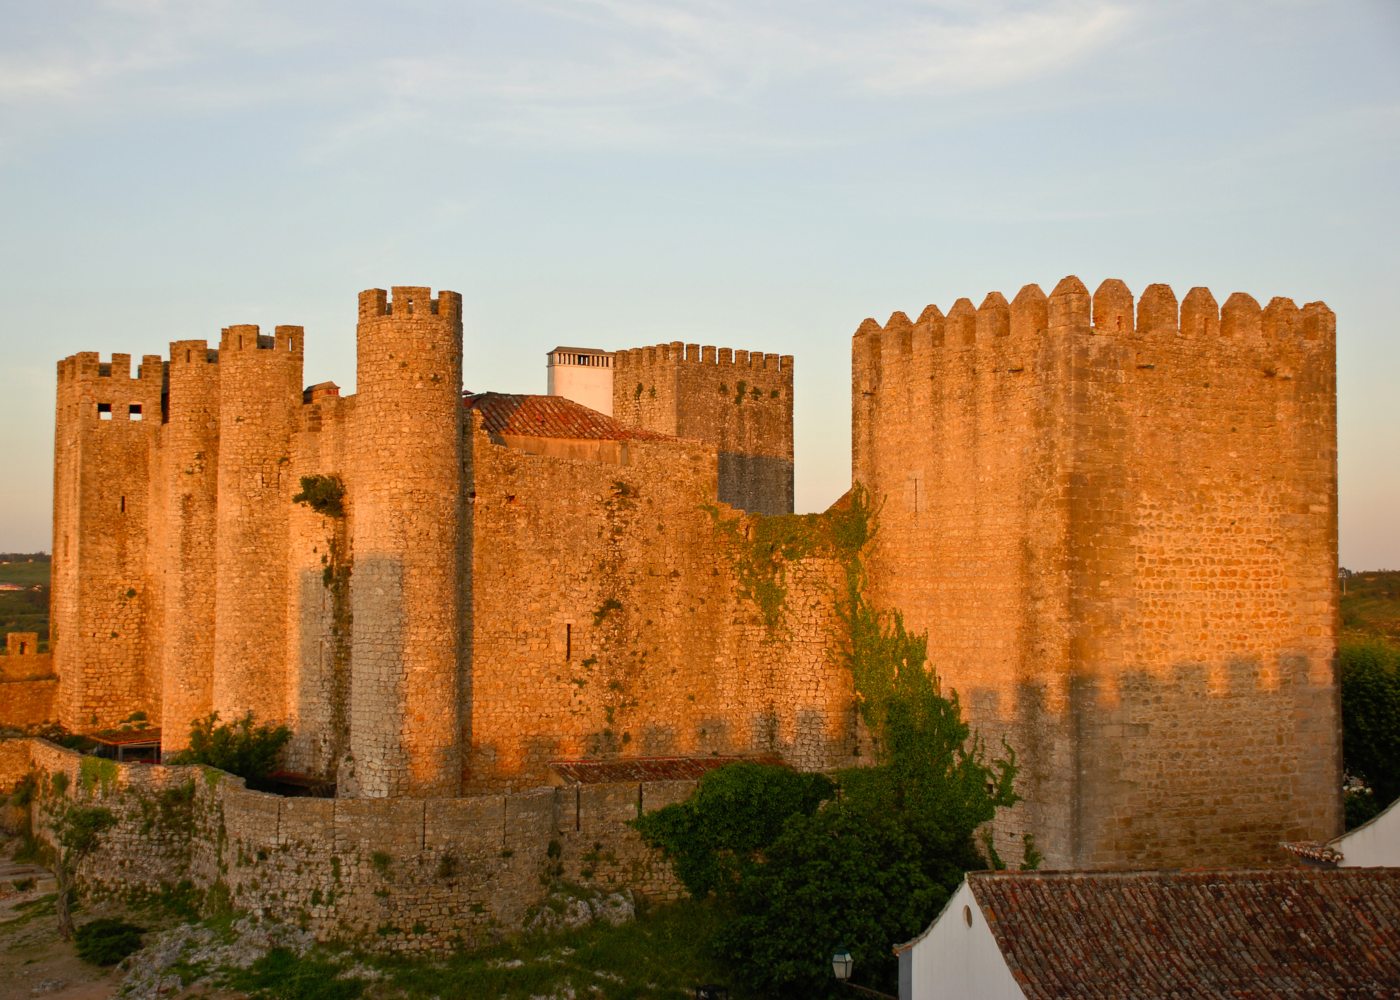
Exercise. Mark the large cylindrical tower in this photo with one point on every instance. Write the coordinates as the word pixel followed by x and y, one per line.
pixel 259 394
pixel 190 440
pixel 407 536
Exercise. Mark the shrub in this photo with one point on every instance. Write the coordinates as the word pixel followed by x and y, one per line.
pixel 735 812
pixel 1370 682
pixel 106 941
pixel 323 494
pixel 241 747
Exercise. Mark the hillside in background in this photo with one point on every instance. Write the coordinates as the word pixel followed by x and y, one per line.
pixel 1371 606
pixel 24 594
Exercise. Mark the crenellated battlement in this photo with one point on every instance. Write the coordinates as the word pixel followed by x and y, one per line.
pixel 410 300
pixel 248 337
pixel 677 352
pixel 87 365
pixel 192 352
pixel 1111 312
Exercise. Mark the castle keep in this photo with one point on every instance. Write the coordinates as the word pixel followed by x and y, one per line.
pixel 1115 519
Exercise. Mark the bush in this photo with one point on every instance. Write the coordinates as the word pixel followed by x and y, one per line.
pixel 107 941
pixel 1370 681
pixel 240 747
pixel 840 877
pixel 735 812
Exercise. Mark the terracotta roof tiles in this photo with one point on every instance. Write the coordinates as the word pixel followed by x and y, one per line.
pixel 1283 933
pixel 507 414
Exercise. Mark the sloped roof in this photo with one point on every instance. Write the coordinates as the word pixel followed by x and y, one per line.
pixel 1284 933
pixel 550 417
pixel 1384 826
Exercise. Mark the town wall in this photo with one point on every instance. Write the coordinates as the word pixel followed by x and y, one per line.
pixel 1119 530
pixel 28 686
pixel 606 618
pixel 739 401
pixel 401 875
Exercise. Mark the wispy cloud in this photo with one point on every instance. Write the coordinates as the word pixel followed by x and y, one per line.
pixel 581 72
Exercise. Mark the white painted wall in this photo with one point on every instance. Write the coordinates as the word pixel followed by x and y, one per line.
pixel 954 961
pixel 589 383
pixel 1375 844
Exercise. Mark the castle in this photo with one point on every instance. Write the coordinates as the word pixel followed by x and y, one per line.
pixel 1116 521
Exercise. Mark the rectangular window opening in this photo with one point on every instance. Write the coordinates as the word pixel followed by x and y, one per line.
pixel 104 411
pixel 134 411
pixel 123 505
pixel 568 642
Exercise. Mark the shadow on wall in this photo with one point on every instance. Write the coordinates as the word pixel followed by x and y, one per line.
pixel 1200 766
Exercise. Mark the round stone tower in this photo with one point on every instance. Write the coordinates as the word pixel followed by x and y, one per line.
pixel 407 537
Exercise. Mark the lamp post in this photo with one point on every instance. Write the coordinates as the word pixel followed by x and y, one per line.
pixel 841 965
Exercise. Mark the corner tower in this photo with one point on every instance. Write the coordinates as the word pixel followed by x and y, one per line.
pixel 407 537
pixel 1117 521
pixel 104 448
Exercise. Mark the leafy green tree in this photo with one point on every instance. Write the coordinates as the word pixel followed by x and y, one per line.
pixel 720 832
pixel 1370 681
pixel 242 747
pixel 842 877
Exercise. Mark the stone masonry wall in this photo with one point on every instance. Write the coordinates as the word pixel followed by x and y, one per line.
pixel 318 599
pixel 106 423
pixel 186 542
pixel 1120 533
pixel 389 875
pixel 605 619
pixel 28 687
pixel 738 401
pixel 259 394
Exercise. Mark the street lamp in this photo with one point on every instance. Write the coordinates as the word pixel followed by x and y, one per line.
pixel 841 963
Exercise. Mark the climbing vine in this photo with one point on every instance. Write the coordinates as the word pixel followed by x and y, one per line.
pixel 761 548
pixel 326 496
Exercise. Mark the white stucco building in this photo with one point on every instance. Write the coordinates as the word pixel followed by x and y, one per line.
pixel 583 374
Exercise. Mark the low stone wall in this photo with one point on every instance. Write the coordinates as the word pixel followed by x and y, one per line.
pixel 387 874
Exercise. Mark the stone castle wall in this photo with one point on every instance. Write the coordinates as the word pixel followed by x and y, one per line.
pixel 739 401
pixel 389 874
pixel 605 619
pixel 28 687
pixel 1120 533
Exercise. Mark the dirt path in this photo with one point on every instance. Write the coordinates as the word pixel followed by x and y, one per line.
pixel 34 960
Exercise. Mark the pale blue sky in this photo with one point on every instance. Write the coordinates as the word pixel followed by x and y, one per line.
pixel 753 174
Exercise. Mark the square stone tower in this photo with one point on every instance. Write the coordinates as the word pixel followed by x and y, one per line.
pixel 1120 531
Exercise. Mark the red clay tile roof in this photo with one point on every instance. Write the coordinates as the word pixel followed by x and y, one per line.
pixel 551 417
pixel 592 772
pixel 1314 851
pixel 1296 932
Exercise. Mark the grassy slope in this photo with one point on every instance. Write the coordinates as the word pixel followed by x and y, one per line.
pixel 1371 606
pixel 25 610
